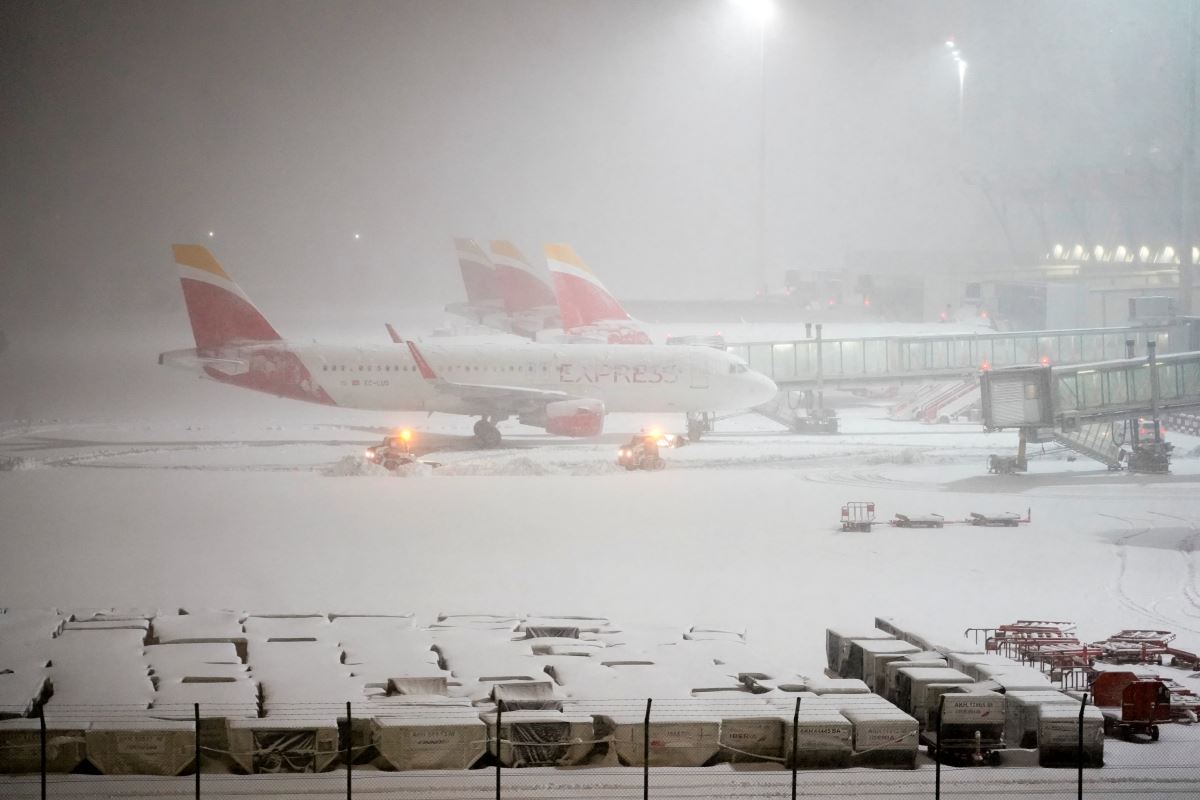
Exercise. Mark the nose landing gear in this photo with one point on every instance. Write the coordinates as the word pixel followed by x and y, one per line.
pixel 487 434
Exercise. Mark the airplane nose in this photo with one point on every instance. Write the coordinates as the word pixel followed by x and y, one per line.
pixel 762 389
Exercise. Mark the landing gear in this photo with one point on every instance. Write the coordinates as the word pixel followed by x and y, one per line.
pixel 487 434
pixel 699 424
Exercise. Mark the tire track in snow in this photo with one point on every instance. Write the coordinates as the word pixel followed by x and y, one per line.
pixel 1186 548
pixel 1119 589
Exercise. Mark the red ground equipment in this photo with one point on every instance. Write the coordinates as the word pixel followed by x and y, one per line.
pixel 1131 703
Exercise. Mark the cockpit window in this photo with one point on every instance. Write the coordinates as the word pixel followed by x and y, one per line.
pixel 736 368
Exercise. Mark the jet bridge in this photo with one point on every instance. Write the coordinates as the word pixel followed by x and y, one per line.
pixel 1095 408
pixel 866 361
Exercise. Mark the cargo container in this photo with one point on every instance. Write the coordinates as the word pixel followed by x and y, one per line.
pixel 1059 735
pixel 141 747
pixel 439 739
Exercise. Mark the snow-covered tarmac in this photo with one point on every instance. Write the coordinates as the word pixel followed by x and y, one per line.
pixel 246 502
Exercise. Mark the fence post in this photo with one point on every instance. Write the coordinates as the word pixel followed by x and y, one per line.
pixel 499 716
pixel 646 752
pixel 349 751
pixel 42 749
pixel 196 719
pixel 795 738
pixel 937 751
pixel 1079 752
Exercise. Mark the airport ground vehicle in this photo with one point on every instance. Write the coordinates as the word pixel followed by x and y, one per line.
pixel 642 452
pixel 393 452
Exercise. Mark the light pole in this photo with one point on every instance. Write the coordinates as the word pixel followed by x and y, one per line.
pixel 759 13
pixel 961 64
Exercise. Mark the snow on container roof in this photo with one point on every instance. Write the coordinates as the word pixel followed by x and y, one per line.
pixel 430 742
pixel 20 746
pixel 289 627
pixel 141 747
pixel 822 685
pixel 109 624
pixel 400 616
pixel 240 692
pixel 27 625
pixel 20 692
pixel 175 657
pixel 284 656
pixel 964 661
pixel 541 644
pixel 213 626
pixel 276 745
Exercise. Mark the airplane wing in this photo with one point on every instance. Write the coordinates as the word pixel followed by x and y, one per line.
pixel 501 399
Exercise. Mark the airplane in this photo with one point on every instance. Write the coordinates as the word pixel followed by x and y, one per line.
pixel 503 291
pixel 588 309
pixel 485 303
pixel 565 389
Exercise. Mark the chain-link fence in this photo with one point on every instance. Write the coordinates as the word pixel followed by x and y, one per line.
pixel 698 748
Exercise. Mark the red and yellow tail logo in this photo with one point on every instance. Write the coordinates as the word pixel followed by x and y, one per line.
pixel 582 298
pixel 522 288
pixel 219 310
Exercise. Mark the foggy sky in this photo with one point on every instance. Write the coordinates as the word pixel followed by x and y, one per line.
pixel 630 129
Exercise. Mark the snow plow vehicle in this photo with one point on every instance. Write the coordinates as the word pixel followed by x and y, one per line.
pixel 642 452
pixel 394 452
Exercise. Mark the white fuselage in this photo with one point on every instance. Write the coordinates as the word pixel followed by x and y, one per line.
pixel 635 378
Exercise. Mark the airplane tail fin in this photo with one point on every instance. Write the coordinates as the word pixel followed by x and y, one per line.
pixel 582 298
pixel 220 312
pixel 478 273
pixel 523 288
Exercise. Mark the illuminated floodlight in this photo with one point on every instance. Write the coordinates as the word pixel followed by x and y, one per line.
pixel 1077 251
pixel 1098 253
pixel 1167 255
pixel 1196 255
pixel 759 12
pixel 949 44
pixel 962 70
pixel 1120 254
pixel 356 236
pixel 1058 251
pixel 1144 253
pixel 211 234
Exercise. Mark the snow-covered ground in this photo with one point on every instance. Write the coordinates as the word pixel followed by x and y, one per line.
pixel 135 486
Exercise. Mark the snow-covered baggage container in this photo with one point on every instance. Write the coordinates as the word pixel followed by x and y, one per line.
pixel 21 743
pixel 273 745
pixel 677 738
pixel 891 670
pixel 837 645
pixel 823 740
pixel 141 747
pixel 864 663
pixel 1022 711
pixel 1059 735
pixel 432 739
pixel 749 733
pixel 883 737
pixel 542 738
pixel 204 626
pixel 912 688
pixel 966 713
pixel 970 662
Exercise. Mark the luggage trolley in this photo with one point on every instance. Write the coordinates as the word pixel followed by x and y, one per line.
pixel 858 515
